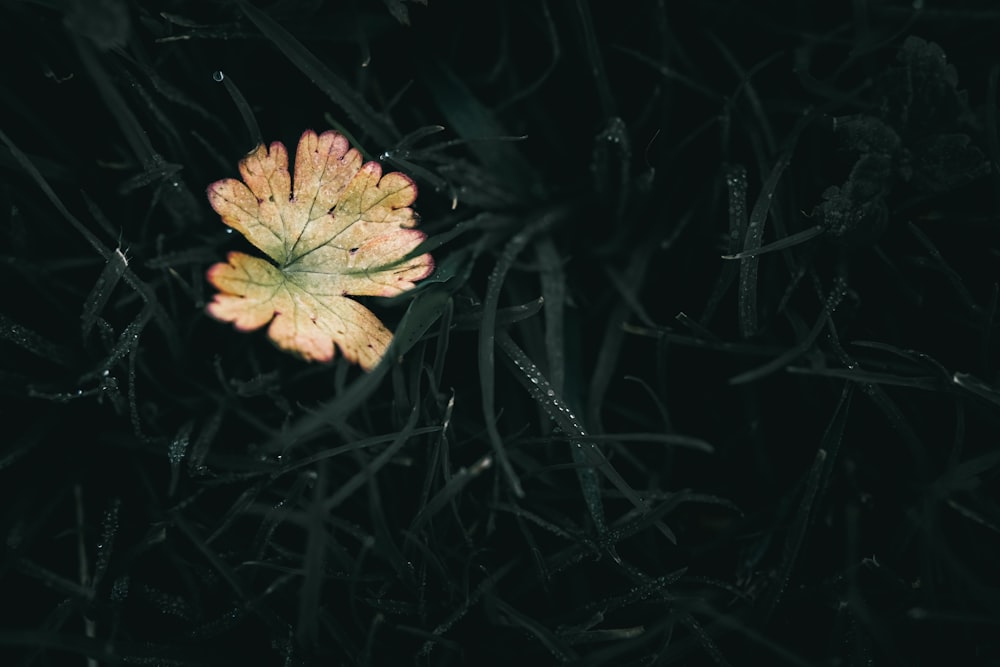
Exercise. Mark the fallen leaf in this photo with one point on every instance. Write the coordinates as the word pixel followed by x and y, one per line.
pixel 344 229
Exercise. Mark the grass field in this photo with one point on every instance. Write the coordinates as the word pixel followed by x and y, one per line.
pixel 706 372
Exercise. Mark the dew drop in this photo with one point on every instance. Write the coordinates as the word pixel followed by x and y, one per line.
pixel 218 76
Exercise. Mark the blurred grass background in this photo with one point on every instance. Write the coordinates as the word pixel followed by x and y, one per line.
pixel 597 442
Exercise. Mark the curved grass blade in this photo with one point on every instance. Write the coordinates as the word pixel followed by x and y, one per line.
pixel 424 310
pixel 488 332
pixel 586 455
pixel 374 123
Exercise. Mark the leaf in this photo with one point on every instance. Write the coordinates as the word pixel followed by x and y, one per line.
pixel 344 230
pixel 943 162
pixel 920 95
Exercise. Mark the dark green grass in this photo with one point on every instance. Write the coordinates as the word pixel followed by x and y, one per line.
pixel 595 441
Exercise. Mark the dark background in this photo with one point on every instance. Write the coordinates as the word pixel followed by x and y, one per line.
pixel 795 464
